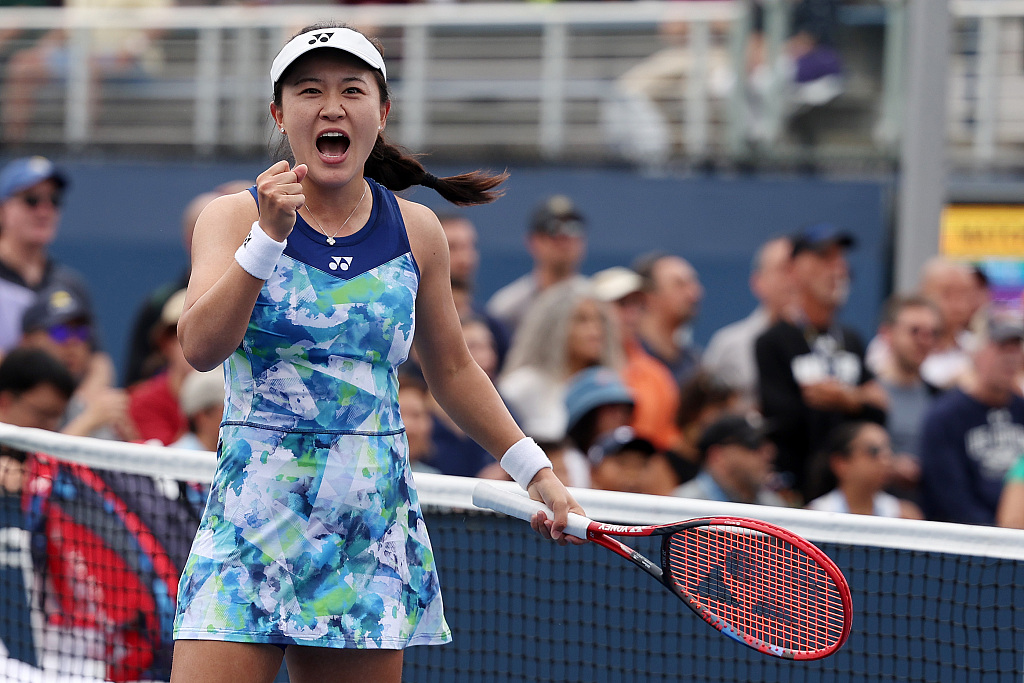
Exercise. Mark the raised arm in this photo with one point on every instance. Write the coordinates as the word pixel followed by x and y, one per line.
pixel 221 294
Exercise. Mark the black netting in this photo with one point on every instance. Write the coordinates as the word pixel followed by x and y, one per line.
pixel 89 561
pixel 525 609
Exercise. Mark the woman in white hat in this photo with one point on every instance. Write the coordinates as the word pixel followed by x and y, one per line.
pixel 308 285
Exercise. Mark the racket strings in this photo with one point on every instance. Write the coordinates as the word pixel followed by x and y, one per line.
pixel 762 587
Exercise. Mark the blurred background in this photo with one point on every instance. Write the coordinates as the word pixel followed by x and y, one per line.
pixel 697 127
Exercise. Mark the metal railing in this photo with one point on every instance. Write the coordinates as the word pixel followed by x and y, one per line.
pixel 553 82
pixel 987 84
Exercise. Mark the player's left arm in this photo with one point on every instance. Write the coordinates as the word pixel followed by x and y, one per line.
pixel 458 384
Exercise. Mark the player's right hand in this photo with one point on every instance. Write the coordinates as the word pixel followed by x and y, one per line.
pixel 281 197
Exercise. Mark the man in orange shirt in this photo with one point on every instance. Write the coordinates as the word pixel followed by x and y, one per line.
pixel 653 386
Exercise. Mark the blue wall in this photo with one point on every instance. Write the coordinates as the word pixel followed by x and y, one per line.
pixel 122 229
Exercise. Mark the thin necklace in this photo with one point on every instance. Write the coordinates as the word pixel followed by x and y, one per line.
pixel 330 238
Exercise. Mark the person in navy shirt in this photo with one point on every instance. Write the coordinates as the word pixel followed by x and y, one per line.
pixel 974 433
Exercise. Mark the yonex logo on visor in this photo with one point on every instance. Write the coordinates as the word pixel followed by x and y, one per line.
pixel 343 39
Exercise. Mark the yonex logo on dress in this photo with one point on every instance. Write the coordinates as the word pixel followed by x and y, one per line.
pixel 322 37
pixel 340 262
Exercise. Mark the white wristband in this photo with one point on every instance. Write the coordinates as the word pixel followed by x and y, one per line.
pixel 259 253
pixel 524 460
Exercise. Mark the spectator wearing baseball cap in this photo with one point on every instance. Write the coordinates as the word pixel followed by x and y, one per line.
pixel 819 237
pixel 59 321
pixel 618 461
pixel 202 401
pixel 24 173
pixel 974 432
pixel 557 243
pixel 735 463
pixel 812 374
pixel 31 194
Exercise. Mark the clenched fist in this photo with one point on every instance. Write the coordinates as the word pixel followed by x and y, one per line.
pixel 280 194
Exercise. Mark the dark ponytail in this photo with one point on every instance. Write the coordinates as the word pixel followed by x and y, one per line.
pixel 398 169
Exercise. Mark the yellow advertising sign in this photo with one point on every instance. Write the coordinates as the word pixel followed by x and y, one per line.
pixel 980 231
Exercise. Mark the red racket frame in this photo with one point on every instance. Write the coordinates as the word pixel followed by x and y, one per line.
pixel 602 534
pixel 801 567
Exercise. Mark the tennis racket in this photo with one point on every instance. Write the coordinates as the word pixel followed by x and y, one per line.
pixel 757 583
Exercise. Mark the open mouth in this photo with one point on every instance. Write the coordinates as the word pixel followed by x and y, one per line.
pixel 332 144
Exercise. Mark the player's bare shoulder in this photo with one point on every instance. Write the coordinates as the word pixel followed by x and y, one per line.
pixel 425 234
pixel 227 217
pixel 240 204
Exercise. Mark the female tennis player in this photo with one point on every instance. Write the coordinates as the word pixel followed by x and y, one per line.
pixel 308 285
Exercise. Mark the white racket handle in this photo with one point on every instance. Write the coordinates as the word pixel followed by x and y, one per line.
pixel 522 507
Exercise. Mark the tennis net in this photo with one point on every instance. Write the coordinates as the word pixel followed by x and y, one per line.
pixel 90 552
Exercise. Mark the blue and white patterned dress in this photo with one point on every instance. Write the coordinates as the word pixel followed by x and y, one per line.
pixel 313 533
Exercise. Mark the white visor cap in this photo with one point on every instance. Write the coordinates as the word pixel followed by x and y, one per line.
pixel 343 39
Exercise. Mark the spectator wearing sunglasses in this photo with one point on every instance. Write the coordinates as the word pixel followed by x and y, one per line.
pixel 31 192
pixel 853 470
pixel 909 331
pixel 60 322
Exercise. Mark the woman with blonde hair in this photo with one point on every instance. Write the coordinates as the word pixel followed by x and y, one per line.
pixel 566 330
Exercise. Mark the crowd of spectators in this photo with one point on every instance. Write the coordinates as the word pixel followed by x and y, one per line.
pixel 638 108
pixel 764 414
pixel 787 406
